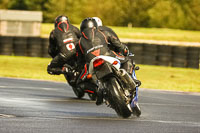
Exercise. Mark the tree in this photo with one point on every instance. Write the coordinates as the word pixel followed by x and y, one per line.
pixel 18 4
pixel 70 8
pixel 191 9
pixel 166 14
pixel 4 4
pixel 177 14
pixel 135 11
pixel 182 14
pixel 107 10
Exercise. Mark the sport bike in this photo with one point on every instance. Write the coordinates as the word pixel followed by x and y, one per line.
pixel 116 87
pixel 80 84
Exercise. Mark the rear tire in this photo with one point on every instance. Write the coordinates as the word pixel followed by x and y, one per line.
pixel 92 96
pixel 116 98
pixel 78 92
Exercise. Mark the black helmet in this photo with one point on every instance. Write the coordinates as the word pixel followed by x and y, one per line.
pixel 88 23
pixel 62 22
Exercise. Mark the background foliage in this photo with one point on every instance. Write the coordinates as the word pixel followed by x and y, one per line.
pixel 178 14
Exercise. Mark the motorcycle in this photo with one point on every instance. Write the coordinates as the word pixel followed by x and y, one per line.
pixel 81 85
pixel 115 85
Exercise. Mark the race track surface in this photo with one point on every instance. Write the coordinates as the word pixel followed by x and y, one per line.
pixel 33 106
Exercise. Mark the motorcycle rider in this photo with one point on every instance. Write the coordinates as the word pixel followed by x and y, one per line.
pixel 105 28
pixel 104 37
pixel 138 82
pixel 62 42
pixel 100 40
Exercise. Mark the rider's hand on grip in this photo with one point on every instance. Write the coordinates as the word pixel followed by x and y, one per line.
pixel 69 71
pixel 66 70
pixel 126 51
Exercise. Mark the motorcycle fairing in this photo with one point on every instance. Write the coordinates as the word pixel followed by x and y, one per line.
pixel 108 59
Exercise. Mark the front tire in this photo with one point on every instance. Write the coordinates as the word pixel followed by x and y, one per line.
pixel 116 98
pixel 137 110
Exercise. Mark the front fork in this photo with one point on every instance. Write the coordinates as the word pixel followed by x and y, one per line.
pixel 135 99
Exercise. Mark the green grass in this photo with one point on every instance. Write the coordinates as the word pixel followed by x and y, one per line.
pixel 170 78
pixel 158 34
pixel 26 67
pixel 143 33
pixel 152 77
pixel 46 28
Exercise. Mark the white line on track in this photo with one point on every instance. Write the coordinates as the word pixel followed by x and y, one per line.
pixel 40 100
pixel 40 80
pixel 166 104
pixel 16 100
pixel 26 87
pixel 6 116
pixel 173 122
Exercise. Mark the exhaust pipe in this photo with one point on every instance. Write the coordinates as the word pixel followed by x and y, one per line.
pixel 128 79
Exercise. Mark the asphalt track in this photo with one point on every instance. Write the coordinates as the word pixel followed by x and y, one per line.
pixel 31 106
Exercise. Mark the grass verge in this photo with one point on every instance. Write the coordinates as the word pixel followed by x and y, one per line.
pixel 152 77
pixel 143 33
pixel 26 67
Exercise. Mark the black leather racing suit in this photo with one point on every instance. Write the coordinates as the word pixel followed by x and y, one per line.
pixel 102 41
pixel 62 43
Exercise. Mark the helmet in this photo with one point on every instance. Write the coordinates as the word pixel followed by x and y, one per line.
pixel 98 20
pixel 62 23
pixel 88 23
pixel 61 18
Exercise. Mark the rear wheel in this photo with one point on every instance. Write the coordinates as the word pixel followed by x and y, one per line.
pixel 78 92
pixel 116 98
pixel 92 96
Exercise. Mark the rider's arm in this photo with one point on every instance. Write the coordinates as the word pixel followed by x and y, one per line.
pixel 52 48
pixel 114 41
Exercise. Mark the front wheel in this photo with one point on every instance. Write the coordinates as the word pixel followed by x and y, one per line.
pixel 137 110
pixel 116 98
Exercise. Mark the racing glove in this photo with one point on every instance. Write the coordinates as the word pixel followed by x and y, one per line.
pixel 66 70
pixel 126 51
